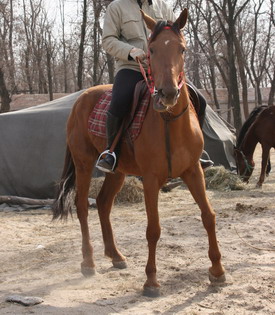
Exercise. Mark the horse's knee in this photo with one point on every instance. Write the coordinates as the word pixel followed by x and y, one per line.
pixel 153 234
pixel 208 219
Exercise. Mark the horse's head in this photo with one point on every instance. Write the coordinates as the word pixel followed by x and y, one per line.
pixel 244 167
pixel 166 57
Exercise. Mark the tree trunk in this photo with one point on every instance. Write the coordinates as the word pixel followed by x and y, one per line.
pixel 27 70
pixel 4 94
pixel 243 78
pixel 11 62
pixel 111 68
pixel 81 47
pixel 272 92
pixel 49 69
pixel 233 89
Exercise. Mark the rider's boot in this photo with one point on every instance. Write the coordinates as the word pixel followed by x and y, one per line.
pixel 205 160
pixel 109 161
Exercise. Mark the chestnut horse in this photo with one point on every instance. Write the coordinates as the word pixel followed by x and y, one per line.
pixel 146 157
pixel 258 128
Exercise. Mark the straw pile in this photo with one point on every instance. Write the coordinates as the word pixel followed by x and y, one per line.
pixel 132 190
pixel 219 178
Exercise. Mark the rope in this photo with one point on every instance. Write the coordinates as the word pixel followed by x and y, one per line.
pixel 258 248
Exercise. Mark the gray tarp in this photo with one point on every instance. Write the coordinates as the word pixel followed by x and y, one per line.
pixel 32 147
pixel 219 138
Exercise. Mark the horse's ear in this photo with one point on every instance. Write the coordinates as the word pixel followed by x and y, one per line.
pixel 181 20
pixel 151 23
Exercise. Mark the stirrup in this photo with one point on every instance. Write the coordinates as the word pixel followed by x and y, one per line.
pixel 99 159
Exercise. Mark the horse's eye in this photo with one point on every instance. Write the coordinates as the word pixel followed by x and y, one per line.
pixel 151 51
pixel 182 50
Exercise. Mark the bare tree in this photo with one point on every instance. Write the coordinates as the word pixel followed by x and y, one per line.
pixel 259 56
pixel 81 47
pixel 49 54
pixel 4 93
pixel 11 66
pixel 227 12
pixel 63 42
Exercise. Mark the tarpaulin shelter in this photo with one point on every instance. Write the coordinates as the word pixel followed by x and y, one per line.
pixel 33 142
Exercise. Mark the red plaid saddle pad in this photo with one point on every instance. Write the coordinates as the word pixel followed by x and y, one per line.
pixel 97 118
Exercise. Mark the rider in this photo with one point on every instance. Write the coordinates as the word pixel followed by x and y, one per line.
pixel 125 37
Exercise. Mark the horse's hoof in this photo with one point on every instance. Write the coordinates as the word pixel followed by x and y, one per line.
pixel 120 264
pixel 87 271
pixel 151 292
pixel 217 280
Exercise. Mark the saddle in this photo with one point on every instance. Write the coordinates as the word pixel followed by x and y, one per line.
pixel 131 126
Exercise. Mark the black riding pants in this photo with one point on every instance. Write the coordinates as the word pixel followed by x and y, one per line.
pixel 123 91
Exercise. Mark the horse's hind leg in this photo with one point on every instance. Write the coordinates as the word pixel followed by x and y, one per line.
pixel 265 158
pixel 268 168
pixel 111 186
pixel 194 179
pixel 83 179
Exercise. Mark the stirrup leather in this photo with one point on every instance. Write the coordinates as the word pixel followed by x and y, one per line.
pixel 101 156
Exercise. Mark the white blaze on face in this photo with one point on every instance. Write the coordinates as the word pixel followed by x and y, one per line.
pixel 166 42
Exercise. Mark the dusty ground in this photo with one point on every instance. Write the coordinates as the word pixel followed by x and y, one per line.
pixel 41 258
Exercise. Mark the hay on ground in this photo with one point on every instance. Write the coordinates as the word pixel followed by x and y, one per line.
pixel 219 178
pixel 132 190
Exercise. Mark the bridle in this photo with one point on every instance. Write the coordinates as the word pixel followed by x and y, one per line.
pixel 149 78
pixel 248 167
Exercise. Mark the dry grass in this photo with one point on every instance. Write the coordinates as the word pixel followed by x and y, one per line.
pixel 132 190
pixel 219 178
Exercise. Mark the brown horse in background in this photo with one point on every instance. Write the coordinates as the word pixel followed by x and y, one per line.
pixel 146 157
pixel 258 128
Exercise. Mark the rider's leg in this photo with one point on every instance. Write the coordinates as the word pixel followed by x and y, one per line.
pixel 205 159
pixel 122 98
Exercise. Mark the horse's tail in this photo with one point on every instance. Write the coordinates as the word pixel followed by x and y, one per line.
pixel 63 202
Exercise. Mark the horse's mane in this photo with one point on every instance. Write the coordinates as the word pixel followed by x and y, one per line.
pixel 160 25
pixel 250 120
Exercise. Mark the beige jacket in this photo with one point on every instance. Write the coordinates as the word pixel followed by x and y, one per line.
pixel 124 28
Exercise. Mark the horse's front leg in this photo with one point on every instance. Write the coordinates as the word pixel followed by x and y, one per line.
pixel 151 191
pixel 83 178
pixel 111 186
pixel 265 157
pixel 194 179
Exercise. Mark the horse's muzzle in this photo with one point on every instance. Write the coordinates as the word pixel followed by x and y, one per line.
pixel 167 98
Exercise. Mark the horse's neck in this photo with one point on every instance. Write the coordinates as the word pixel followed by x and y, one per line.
pixel 249 144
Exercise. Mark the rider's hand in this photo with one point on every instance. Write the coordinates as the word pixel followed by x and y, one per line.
pixel 137 53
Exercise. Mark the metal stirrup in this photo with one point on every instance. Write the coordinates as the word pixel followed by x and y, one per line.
pixel 103 153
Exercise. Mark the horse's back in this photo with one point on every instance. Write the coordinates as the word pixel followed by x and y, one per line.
pixel 88 99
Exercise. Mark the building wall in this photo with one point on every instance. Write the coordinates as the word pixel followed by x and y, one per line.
pixel 223 95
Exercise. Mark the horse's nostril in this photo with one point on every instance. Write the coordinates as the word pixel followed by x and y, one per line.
pixel 160 93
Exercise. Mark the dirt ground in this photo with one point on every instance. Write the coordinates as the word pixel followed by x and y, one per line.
pixel 41 258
